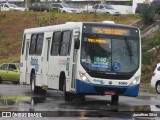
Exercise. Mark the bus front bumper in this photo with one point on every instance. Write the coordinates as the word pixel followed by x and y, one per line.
pixel 96 89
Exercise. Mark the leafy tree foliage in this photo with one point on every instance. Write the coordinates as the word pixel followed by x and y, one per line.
pixel 148 15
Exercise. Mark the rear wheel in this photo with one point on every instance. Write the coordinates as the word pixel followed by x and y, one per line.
pixel 34 88
pixel 114 99
pixel 158 87
pixel 42 91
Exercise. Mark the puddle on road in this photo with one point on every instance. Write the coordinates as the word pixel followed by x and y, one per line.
pixel 60 108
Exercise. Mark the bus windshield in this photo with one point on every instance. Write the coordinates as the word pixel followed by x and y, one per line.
pixel 102 53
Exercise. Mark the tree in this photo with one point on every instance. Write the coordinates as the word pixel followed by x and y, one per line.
pixel 148 15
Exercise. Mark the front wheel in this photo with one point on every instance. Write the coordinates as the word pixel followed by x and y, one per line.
pixel 114 99
pixel 67 95
pixel 158 87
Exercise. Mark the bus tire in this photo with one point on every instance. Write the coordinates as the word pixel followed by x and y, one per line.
pixel 62 79
pixel 67 95
pixel 34 88
pixel 114 99
pixel 42 91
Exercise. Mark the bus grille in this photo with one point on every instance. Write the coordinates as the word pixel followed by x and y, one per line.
pixel 118 91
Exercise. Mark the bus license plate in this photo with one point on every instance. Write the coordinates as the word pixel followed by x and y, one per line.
pixel 109 93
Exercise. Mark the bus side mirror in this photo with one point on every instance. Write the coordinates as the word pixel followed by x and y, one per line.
pixel 76 43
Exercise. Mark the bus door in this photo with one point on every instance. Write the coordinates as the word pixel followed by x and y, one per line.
pixel 46 59
pixel 23 68
pixel 72 61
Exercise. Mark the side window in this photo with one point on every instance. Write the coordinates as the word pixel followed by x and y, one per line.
pixel 4 67
pixel 39 44
pixel 56 43
pixel 101 7
pixel 96 7
pixel 32 44
pixel 158 68
pixel 65 44
pixel 23 45
pixel 12 67
pixel 6 6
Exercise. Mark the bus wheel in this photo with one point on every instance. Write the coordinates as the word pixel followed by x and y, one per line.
pixel 67 95
pixel 34 88
pixel 42 91
pixel 114 99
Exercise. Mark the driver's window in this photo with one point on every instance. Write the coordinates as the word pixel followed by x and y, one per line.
pixel 12 67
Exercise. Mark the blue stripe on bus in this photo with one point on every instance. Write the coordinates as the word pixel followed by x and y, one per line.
pixel 89 89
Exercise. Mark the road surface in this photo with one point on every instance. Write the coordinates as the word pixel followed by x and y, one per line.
pixel 19 99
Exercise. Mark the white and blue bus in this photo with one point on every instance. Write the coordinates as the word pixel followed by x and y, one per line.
pixel 82 58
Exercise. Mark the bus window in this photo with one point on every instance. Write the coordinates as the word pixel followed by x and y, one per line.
pixel 55 43
pixel 39 44
pixel 69 48
pixel 32 44
pixel 64 50
pixel 23 45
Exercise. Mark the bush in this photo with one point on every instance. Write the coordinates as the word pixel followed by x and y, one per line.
pixel 148 15
pixel 147 58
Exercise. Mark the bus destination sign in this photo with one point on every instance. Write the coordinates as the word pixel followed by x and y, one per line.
pixel 110 31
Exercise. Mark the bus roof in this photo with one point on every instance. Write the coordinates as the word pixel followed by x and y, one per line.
pixel 70 25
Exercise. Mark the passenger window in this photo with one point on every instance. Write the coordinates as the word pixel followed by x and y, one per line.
pixel 4 67
pixel 23 45
pixel 65 44
pixel 39 44
pixel 12 67
pixel 33 44
pixel 56 43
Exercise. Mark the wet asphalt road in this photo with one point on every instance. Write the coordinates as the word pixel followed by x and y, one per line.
pixel 52 105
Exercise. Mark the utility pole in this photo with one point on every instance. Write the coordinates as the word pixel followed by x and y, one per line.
pixel 63 1
pixel 103 1
pixel 25 4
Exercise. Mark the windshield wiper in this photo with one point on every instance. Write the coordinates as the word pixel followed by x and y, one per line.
pixel 129 48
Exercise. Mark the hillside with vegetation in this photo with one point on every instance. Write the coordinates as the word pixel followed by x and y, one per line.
pixel 13 23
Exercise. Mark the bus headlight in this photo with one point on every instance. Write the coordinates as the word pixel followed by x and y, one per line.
pixel 83 77
pixel 135 81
